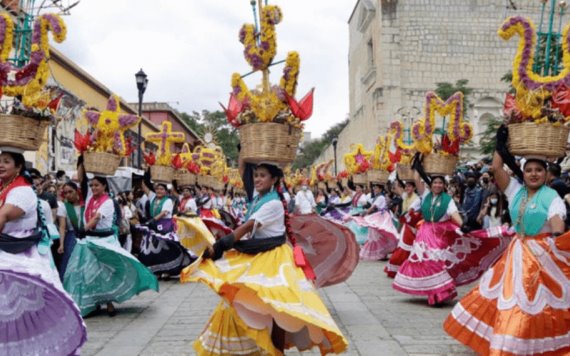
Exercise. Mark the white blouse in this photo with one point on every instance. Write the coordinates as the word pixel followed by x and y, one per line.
pixel 107 211
pixel 269 220
pixel 25 199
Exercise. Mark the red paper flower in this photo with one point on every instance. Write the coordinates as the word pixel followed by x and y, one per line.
pixel 55 103
pixel 149 158
pixel 226 179
pixel 130 148
pixel 561 99
pixel 234 108
pixel 510 106
pixel 302 109
pixel 192 167
pixel 177 161
pixel 451 147
pixel 82 142
pixel 342 174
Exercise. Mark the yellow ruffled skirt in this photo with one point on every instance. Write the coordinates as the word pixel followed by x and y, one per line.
pixel 258 290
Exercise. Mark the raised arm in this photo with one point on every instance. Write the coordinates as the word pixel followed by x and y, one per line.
pixel 502 178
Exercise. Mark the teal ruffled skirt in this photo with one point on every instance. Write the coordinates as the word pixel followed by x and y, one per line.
pixel 360 232
pixel 101 271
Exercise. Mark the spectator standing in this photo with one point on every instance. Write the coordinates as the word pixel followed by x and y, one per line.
pixel 472 199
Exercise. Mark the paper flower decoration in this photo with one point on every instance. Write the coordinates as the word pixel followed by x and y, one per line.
pixel 82 142
pixel 533 88
pixel 357 161
pixel 457 129
pixel 260 51
pixel 304 108
pixel 164 139
pixel 380 159
pixel 110 126
pixel 206 157
pixel 31 78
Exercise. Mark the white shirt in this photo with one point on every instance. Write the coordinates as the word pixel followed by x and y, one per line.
pixel 380 202
pixel 451 207
pixel 107 211
pixel 269 220
pixel 62 213
pixel 168 206
pixel 557 206
pixel 305 202
pixel 25 199
pixel 190 205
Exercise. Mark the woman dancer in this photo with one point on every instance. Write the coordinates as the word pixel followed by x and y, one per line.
pixel 161 250
pixel 441 257
pixel 268 304
pixel 36 315
pixel 100 271
pixel 187 203
pixel 69 215
pixel 522 303
pixel 382 234
pixel 357 207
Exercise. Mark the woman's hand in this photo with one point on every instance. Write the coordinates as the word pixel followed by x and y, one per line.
pixel 60 249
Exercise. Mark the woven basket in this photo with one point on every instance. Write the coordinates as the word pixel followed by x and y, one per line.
pixel 321 185
pixel 545 140
pixel 184 178
pixel 101 163
pixel 269 142
pixel 439 164
pixel 405 172
pixel 360 178
pixel 163 174
pixel 217 184
pixel 207 181
pixel 378 176
pixel 344 182
pixel 22 132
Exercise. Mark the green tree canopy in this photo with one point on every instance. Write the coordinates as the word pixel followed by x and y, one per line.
pixel 215 121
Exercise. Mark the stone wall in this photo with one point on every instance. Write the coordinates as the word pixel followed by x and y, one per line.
pixel 399 50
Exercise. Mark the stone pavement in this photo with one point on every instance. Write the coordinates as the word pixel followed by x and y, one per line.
pixel 374 318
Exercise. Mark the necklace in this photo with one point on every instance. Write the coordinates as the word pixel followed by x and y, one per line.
pixel 5 188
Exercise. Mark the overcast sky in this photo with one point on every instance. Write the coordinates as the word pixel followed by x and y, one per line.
pixel 190 48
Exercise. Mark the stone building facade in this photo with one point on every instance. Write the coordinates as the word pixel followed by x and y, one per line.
pixel 400 49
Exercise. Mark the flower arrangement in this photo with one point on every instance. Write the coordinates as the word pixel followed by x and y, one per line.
pixel 458 131
pixel 321 173
pixel 28 81
pixel 269 103
pixel 164 139
pixel 405 152
pixel 357 161
pixel 539 99
pixel 380 159
pixel 107 130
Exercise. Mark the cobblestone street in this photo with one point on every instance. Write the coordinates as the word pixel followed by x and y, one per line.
pixel 375 319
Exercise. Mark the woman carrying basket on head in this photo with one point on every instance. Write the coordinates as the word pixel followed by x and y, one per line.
pixel 268 303
pixel 522 304
pixel 100 271
pixel 442 257
pixel 37 315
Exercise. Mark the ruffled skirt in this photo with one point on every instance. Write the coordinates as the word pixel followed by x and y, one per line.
pixel 36 315
pixel 402 252
pixel 162 253
pixel 101 271
pixel 382 237
pixel 522 304
pixel 442 259
pixel 257 291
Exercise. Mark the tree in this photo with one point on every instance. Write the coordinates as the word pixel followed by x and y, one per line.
pixel 445 89
pixel 488 140
pixel 225 135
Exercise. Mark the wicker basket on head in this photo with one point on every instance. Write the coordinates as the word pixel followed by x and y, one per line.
pixel 207 181
pixel 360 178
pixel 321 185
pixel 101 163
pixel 377 176
pixel 528 138
pixel 22 132
pixel 163 174
pixel 438 164
pixel 405 172
pixel 217 184
pixel 344 182
pixel 184 178
pixel 269 142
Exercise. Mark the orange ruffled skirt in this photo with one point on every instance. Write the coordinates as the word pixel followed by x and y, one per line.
pixel 257 291
pixel 522 304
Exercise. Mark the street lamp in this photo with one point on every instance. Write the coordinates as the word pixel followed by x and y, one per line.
pixel 334 143
pixel 142 82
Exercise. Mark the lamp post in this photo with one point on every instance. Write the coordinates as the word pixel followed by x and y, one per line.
pixel 142 82
pixel 334 143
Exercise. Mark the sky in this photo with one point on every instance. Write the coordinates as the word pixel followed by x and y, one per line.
pixel 189 50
